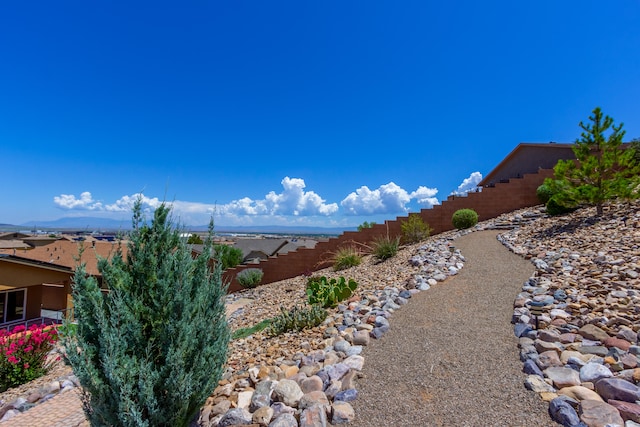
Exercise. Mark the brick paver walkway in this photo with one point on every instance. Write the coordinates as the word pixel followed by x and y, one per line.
pixel 63 410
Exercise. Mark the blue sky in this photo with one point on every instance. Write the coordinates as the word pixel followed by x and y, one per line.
pixel 292 112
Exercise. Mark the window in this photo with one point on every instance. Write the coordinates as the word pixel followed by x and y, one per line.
pixel 12 305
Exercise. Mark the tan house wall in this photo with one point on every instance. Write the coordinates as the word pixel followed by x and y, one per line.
pixel 493 201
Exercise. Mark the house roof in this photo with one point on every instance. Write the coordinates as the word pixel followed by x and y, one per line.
pixel 269 247
pixel 63 253
pixel 13 235
pixel 13 244
pixel 528 158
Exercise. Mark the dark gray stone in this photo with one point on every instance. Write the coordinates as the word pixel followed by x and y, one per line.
pixel 236 416
pixel 531 368
pixel 347 395
pixel 563 413
pixel 617 389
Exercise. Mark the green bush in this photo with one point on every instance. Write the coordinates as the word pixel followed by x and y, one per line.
pixel 414 229
pixel 345 257
pixel 544 193
pixel 151 350
pixel 229 255
pixel 328 293
pixel 250 278
pixel 554 208
pixel 296 319
pixel 385 247
pixel 464 218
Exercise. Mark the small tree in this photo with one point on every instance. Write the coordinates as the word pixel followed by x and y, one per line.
pixel 194 239
pixel 229 256
pixel 603 171
pixel 150 349
pixel 414 229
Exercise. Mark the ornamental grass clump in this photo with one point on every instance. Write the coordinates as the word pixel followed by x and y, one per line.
pixel 345 257
pixel 464 218
pixel 385 247
pixel 23 354
pixel 152 349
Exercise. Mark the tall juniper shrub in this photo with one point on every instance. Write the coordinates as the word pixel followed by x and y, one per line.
pixel 149 347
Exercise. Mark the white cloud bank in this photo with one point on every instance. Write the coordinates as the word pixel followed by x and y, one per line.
pixel 468 184
pixel 387 199
pixel 293 204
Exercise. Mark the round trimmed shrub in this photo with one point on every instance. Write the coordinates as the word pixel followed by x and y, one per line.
pixel 544 193
pixel 464 218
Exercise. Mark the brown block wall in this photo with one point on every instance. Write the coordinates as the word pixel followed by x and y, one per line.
pixel 491 202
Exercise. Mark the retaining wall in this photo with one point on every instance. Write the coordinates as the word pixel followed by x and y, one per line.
pixel 516 193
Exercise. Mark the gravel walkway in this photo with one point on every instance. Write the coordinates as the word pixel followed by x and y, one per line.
pixel 451 358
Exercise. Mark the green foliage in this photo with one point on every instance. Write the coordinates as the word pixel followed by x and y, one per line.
pixel 544 193
pixel 554 208
pixel 296 319
pixel 385 247
pixel 345 257
pixel 151 350
pixel 366 225
pixel 329 292
pixel 250 278
pixel 230 256
pixel 603 171
pixel 414 229
pixel 464 218
pixel 194 239
pixel 245 332
pixel 23 354
pixel 635 146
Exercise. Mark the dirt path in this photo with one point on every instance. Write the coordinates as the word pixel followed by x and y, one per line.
pixel 451 358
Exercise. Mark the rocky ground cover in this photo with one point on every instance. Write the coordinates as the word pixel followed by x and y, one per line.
pixel 585 294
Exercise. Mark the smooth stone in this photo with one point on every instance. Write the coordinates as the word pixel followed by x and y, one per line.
pixel 617 389
pixel 579 393
pixel 235 416
pixel 598 350
pixel 537 384
pixel 361 338
pixel 354 362
pixel 348 395
pixel 592 332
pixel 313 398
pixel 548 335
pixel 315 416
pixel 562 377
pixel 354 350
pixel 280 408
pixel 563 413
pixel 244 399
pixel 542 346
pixel 522 329
pixel 342 412
pixel 617 342
pixel 628 411
pixel 548 359
pixel 595 413
pixel 341 345
pixel 313 383
pixel 591 372
pixel 284 420
pixel 263 416
pixel 531 368
pixel 348 381
pixel 288 392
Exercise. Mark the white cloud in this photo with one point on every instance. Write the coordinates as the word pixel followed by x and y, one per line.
pixel 293 200
pixel 125 203
pixel 85 202
pixel 426 196
pixel 468 184
pixel 387 199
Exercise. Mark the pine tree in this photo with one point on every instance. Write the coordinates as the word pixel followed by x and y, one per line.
pixel 151 346
pixel 603 171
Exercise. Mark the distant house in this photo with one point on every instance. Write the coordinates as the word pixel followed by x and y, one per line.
pixel 254 250
pixel 528 158
pixel 36 282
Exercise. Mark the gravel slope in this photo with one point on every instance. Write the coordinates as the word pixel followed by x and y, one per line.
pixel 451 358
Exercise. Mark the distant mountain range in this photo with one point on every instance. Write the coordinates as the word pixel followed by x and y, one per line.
pixel 104 224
